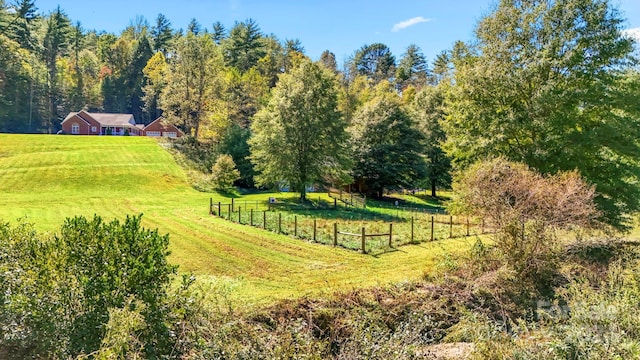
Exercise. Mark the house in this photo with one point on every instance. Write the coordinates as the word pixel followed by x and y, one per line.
pixel 159 127
pixel 85 123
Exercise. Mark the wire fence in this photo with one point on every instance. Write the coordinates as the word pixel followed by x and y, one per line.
pixel 366 235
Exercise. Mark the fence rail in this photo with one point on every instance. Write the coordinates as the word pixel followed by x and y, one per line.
pixel 348 198
pixel 351 234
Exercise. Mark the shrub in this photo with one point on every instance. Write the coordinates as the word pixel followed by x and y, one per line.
pixel 63 295
pixel 224 173
pixel 527 209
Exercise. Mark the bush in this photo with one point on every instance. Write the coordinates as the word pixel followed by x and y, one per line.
pixel 61 294
pixel 224 173
pixel 526 209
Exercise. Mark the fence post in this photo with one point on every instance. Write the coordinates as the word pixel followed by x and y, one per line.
pixel 232 205
pixel 251 217
pixel 229 212
pixel 219 209
pixel 391 233
pixel 335 204
pixel 264 219
pixel 467 226
pixel 335 234
pixel 210 206
pixel 279 222
pixel 431 227
pixel 314 229
pixel 295 226
pixel 412 229
pixel 239 214
pixel 450 226
pixel 364 237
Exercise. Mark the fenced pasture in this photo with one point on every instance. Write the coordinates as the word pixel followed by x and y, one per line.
pixel 48 178
pixel 370 230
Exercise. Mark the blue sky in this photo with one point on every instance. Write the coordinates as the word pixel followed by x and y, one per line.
pixel 340 26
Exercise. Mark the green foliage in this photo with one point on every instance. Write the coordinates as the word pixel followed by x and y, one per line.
pixel 375 61
pixel 155 72
pixel 300 136
pixel 328 60
pixel 545 84
pixel 224 172
pixel 135 80
pixel 61 293
pixel 235 143
pixel 427 108
pixel 193 80
pixel 591 319
pixel 244 46
pixel 387 147
pixel 412 69
pixel 161 34
pixel 55 43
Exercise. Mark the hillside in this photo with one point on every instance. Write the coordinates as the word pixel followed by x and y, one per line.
pixel 48 178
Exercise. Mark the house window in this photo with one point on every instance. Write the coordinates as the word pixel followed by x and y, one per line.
pixel 94 129
pixel 75 129
pixel 170 134
pixel 153 133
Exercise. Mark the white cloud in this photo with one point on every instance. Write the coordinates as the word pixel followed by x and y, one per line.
pixel 633 33
pixel 405 24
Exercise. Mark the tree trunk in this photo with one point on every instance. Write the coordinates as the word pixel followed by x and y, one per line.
pixel 433 188
pixel 303 194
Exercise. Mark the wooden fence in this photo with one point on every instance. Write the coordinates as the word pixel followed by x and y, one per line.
pixel 365 236
pixel 347 198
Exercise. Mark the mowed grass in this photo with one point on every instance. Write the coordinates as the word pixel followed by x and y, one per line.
pixel 48 178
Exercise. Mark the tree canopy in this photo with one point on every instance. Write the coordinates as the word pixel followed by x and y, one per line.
pixel 387 147
pixel 299 136
pixel 545 84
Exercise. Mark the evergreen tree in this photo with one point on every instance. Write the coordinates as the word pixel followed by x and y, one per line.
pixel 375 61
pixel 427 109
pixel 21 26
pixel 328 60
pixel 244 46
pixel 161 34
pixel 135 83
pixel 219 32
pixel 55 43
pixel 386 145
pixel 412 69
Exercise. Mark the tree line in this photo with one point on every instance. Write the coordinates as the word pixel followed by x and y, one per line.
pixel 549 83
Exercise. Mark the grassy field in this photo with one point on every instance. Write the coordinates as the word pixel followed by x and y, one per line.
pixel 48 178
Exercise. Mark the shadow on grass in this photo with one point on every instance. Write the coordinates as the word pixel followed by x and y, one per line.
pixel 327 211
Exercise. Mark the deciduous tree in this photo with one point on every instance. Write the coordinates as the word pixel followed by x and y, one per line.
pixel 544 84
pixel 300 137
pixel 193 81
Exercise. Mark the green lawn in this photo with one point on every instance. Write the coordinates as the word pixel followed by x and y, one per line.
pixel 48 178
